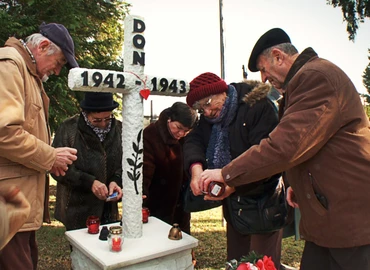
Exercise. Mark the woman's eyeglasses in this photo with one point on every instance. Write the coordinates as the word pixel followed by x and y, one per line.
pixel 205 106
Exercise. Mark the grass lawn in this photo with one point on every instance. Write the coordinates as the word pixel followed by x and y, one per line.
pixel 206 226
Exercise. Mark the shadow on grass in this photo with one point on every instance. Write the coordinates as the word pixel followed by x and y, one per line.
pixel 54 250
pixel 211 250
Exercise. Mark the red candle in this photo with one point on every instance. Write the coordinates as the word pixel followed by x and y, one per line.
pixel 116 244
pixel 115 238
pixel 93 224
pixel 145 212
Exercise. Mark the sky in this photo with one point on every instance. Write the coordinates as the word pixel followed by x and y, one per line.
pixel 183 37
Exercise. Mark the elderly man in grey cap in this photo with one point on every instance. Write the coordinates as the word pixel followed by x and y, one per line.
pixel 322 142
pixel 25 152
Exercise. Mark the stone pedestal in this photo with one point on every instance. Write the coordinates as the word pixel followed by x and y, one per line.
pixel 150 252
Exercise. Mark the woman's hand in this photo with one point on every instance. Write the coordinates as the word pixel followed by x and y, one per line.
pixel 100 190
pixel 195 182
pixel 114 187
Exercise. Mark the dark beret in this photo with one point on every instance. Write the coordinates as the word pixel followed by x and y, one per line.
pixel 271 38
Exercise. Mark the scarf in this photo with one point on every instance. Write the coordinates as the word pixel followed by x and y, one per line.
pixel 101 133
pixel 218 150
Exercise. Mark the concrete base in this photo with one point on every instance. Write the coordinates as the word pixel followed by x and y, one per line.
pixel 150 252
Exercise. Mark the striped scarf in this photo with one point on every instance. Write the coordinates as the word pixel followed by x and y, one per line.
pixel 218 150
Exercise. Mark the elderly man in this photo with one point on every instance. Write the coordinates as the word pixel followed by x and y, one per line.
pixel 25 152
pixel 322 142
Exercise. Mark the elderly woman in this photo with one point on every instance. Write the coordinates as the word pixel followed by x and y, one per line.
pixel 233 118
pixel 96 173
pixel 163 172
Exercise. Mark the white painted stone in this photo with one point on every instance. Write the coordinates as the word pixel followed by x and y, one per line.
pixel 152 251
pixel 129 83
pixel 145 247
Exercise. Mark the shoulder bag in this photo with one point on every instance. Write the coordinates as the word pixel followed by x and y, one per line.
pixel 192 203
pixel 258 214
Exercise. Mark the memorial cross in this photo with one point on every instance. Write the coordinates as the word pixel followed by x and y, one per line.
pixel 134 86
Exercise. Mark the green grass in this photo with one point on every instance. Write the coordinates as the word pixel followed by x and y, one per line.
pixel 206 226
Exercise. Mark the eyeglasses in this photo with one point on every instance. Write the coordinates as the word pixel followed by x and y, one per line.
pixel 205 106
pixel 99 120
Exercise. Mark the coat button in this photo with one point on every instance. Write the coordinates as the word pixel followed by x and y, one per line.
pixel 308 196
pixel 228 176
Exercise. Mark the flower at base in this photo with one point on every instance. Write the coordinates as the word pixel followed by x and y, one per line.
pixel 246 266
pixel 265 264
pixel 252 261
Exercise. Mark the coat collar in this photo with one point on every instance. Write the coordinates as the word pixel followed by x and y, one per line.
pixel 301 60
pixel 17 44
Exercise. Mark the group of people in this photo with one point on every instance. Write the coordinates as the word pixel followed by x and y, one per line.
pixel 319 141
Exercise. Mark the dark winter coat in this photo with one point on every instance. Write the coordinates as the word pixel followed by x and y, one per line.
pixel 256 117
pixel 163 172
pixel 323 144
pixel 95 161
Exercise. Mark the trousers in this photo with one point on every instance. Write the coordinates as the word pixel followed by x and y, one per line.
pixel 20 253
pixel 315 257
pixel 239 245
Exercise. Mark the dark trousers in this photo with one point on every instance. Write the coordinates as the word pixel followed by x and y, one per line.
pixel 268 244
pixel 315 257
pixel 20 253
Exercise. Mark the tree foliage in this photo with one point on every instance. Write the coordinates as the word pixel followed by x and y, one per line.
pixel 354 13
pixel 366 77
pixel 95 26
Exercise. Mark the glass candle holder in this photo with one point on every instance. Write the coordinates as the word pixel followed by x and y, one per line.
pixel 146 213
pixel 93 223
pixel 115 238
pixel 216 189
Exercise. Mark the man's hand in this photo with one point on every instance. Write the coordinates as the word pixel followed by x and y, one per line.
pixel 100 190
pixel 211 175
pixel 65 156
pixel 290 198
pixel 57 171
pixel 227 193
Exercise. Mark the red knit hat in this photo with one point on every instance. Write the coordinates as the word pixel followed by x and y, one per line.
pixel 205 85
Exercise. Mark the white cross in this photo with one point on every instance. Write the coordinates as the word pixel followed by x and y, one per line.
pixel 133 84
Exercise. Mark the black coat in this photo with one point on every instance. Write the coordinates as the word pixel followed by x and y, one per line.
pixel 256 117
pixel 95 161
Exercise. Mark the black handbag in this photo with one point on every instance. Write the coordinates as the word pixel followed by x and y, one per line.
pixel 258 214
pixel 192 203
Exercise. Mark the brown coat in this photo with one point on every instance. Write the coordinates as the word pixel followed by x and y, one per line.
pixel 163 172
pixel 323 144
pixel 25 153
